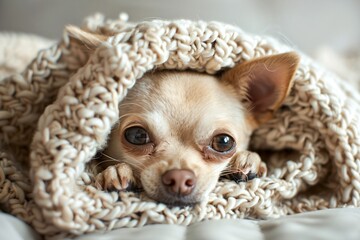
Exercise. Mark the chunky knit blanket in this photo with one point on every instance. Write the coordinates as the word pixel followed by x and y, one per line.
pixel 57 114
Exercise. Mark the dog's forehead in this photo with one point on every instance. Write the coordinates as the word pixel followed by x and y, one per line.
pixel 185 91
pixel 177 95
pixel 184 100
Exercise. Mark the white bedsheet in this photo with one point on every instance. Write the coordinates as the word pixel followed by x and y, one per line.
pixel 333 224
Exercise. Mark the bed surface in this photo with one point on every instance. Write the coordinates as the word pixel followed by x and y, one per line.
pixel 332 224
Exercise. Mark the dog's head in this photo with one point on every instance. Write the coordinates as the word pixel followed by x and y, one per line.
pixel 179 130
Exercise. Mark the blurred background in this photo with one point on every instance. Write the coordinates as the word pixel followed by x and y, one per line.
pixel 307 24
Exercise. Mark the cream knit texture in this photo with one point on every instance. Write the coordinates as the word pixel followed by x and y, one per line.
pixel 58 113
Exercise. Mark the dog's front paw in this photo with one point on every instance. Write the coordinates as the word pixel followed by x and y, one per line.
pixel 116 177
pixel 246 166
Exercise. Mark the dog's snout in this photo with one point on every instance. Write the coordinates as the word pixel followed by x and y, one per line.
pixel 179 181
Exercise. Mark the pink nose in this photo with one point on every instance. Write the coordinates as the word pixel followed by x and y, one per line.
pixel 178 181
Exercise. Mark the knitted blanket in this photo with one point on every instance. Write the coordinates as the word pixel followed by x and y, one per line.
pixel 57 114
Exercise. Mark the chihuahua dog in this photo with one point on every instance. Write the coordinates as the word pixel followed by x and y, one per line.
pixel 179 131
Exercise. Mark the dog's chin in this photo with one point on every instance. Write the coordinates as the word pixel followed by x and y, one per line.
pixel 173 200
pixel 179 203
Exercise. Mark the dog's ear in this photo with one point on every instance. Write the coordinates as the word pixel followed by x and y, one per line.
pixel 89 41
pixel 263 83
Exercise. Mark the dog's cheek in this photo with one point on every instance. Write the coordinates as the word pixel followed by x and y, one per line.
pixel 150 179
pixel 204 188
pixel 208 177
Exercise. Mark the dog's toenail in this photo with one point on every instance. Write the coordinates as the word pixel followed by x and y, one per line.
pixel 251 176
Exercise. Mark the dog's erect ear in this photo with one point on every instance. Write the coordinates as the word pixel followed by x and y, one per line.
pixel 88 40
pixel 263 83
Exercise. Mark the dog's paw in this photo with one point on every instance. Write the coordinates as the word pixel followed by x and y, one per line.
pixel 246 166
pixel 116 177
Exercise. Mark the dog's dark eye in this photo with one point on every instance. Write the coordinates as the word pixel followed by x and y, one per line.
pixel 222 143
pixel 137 136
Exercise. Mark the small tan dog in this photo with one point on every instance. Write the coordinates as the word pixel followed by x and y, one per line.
pixel 180 131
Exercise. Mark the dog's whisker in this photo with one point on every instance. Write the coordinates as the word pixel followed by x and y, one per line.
pixel 132 103
pixel 138 165
pixel 130 114
pixel 107 161
pixel 110 157
pixel 226 171
pixel 215 173
pixel 230 170
pixel 94 167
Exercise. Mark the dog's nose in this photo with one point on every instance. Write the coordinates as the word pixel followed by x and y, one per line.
pixel 179 181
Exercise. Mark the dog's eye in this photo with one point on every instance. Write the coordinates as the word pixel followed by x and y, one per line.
pixel 222 143
pixel 137 136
